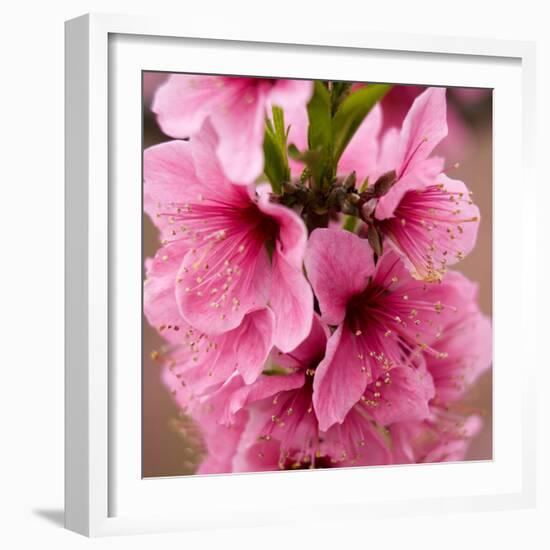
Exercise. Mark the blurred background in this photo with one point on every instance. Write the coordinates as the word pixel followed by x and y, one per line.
pixel 167 436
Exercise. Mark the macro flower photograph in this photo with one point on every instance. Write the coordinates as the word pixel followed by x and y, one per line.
pixel 317 274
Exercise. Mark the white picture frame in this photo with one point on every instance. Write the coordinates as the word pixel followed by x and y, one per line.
pixel 105 52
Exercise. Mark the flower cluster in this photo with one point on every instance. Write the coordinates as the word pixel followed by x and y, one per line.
pixel 303 284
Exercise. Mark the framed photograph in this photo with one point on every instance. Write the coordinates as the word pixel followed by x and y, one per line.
pixel 288 274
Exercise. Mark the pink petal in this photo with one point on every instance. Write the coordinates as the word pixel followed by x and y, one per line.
pixel 291 296
pixel 358 441
pixel 219 283
pixel 338 265
pixel 292 302
pixel 404 398
pixel 202 146
pixel 183 102
pixel 263 387
pixel 221 443
pixel 310 352
pixel 208 407
pixel 339 380
pixel 241 131
pixel 159 296
pixel 403 438
pixel 204 361
pixel 235 107
pixel 179 174
pixel 297 120
pixel 219 440
pixel 258 457
pixel 292 232
pixel 424 174
pixel 464 343
pixel 423 128
pixel 388 153
pixel 453 441
pixel 252 342
pixel 169 177
pixel 285 416
pixel 465 352
pixel 291 94
pixel 361 154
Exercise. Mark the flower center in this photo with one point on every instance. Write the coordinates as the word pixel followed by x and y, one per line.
pixel 367 309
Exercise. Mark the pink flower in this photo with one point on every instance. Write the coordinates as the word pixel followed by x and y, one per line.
pixel 204 360
pixel 283 430
pixel 464 351
pixel 220 439
pixel 236 107
pixel 272 423
pixel 219 412
pixel 216 236
pixel 461 139
pixel 378 375
pixel 443 437
pixel 384 321
pixel 428 218
pixel 464 344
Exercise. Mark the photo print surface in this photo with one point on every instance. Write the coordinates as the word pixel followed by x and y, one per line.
pixel 317 265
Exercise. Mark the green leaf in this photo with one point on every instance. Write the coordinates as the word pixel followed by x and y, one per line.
pixel 320 120
pixel 352 112
pixel 339 92
pixel 320 132
pixel 310 158
pixel 279 126
pixel 276 161
pixel 274 166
